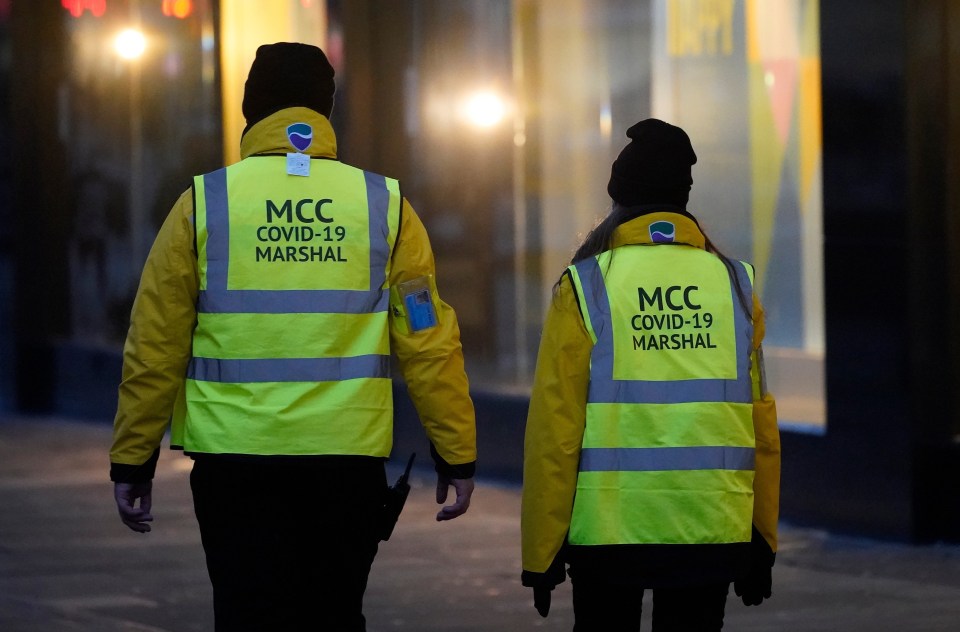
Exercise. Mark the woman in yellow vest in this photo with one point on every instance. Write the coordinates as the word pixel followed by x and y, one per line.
pixel 269 306
pixel 652 454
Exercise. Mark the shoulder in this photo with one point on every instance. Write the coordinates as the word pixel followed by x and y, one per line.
pixel 565 297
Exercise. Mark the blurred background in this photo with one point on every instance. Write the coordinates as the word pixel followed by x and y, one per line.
pixel 827 136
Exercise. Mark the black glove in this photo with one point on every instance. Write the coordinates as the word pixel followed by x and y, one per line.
pixel 541 599
pixel 757 584
pixel 544 583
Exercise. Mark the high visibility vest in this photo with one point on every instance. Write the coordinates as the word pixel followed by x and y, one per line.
pixel 291 351
pixel 668 447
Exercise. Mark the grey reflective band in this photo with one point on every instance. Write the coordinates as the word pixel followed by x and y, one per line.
pixel 666 459
pixel 288 369
pixel 218 229
pixel 291 302
pixel 378 202
pixel 218 299
pixel 606 390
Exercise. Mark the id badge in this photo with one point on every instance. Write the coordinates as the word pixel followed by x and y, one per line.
pixel 418 304
pixel 298 165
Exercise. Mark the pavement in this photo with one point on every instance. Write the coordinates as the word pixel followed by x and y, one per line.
pixel 68 564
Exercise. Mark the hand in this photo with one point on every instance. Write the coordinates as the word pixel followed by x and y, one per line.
pixel 541 600
pixel 544 583
pixel 755 587
pixel 126 495
pixel 757 584
pixel 464 487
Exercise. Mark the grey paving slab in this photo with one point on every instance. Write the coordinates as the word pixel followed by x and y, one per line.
pixel 67 564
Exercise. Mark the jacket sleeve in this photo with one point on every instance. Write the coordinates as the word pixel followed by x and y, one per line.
pixel 554 432
pixel 431 360
pixel 766 483
pixel 157 348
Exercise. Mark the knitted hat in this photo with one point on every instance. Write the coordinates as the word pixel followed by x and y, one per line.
pixel 285 75
pixel 654 167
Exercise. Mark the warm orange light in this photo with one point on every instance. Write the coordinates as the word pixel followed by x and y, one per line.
pixel 130 44
pixel 77 7
pixel 177 8
pixel 484 109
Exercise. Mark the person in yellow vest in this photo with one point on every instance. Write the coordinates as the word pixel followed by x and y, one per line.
pixel 268 310
pixel 652 453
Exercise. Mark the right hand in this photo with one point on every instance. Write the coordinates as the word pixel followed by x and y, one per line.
pixel 755 587
pixel 126 496
pixel 464 487
pixel 757 584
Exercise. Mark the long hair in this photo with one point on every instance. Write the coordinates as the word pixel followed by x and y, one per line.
pixel 600 239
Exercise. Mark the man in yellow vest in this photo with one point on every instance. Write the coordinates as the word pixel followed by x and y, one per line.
pixel 652 454
pixel 269 307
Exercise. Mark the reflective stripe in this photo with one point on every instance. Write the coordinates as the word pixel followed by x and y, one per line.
pixel 378 201
pixel 605 389
pixel 666 459
pixel 218 299
pixel 292 302
pixel 288 369
pixel 218 229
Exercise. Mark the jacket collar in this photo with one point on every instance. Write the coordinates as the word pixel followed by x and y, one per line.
pixel 269 136
pixel 660 225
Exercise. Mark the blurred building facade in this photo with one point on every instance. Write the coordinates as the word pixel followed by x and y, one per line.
pixel 827 138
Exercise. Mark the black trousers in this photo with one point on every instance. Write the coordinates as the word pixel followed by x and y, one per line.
pixel 288 545
pixel 600 605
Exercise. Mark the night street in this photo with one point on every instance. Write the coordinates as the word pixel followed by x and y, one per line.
pixel 67 563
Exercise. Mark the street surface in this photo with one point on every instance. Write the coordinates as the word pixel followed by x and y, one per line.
pixel 68 564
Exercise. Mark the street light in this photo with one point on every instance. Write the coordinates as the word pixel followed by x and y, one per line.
pixel 130 44
pixel 484 109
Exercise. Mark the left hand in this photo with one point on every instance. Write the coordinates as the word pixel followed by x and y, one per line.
pixel 464 487
pixel 126 496
pixel 544 583
pixel 541 600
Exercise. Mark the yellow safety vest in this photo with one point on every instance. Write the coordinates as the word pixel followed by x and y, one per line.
pixel 291 352
pixel 668 446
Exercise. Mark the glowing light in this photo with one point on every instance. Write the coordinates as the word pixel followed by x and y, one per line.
pixel 177 8
pixel 130 44
pixel 484 109
pixel 77 7
pixel 606 121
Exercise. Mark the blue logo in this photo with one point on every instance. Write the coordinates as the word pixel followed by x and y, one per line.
pixel 662 232
pixel 300 136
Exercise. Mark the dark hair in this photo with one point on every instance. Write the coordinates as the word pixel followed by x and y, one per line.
pixel 600 239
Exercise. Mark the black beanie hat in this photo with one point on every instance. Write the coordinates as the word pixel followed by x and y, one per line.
pixel 285 75
pixel 654 168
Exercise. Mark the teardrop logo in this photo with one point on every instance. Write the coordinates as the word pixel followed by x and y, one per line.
pixel 300 136
pixel 662 232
